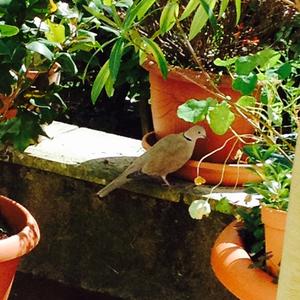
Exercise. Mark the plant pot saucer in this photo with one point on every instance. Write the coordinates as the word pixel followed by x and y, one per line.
pixel 230 263
pixel 213 173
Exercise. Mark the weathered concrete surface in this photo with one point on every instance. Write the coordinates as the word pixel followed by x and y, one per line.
pixel 128 245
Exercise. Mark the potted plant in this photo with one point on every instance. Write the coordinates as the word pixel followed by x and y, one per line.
pixel 38 43
pixel 171 29
pixel 21 237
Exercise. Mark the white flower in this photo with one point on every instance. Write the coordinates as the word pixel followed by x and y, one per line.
pixel 199 208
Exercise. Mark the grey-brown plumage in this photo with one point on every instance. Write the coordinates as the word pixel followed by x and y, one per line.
pixel 167 156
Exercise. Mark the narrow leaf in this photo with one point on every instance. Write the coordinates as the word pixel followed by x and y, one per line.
pixel 191 6
pixel 138 12
pixel 154 49
pixel 238 10
pixel 203 14
pixel 100 81
pixel 223 6
pixel 168 16
pixel 115 58
pixel 41 49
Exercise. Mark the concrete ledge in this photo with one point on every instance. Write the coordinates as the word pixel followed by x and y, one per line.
pixel 99 157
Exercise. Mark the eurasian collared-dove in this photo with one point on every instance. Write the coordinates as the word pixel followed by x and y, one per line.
pixel 167 156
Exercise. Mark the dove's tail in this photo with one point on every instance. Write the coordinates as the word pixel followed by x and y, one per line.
pixel 116 183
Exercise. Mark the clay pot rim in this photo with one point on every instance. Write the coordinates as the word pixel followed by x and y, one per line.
pixel 187 75
pixel 230 263
pixel 273 217
pixel 25 240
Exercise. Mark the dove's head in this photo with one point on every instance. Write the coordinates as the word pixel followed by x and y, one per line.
pixel 196 132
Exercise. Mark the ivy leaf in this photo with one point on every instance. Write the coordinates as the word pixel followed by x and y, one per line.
pixel 267 58
pixel 245 83
pixel 194 110
pixel 224 63
pixel 246 64
pixel 220 118
pixel 284 71
pixel 246 101
pixel 224 206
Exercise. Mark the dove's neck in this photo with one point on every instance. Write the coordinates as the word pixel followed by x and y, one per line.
pixel 187 137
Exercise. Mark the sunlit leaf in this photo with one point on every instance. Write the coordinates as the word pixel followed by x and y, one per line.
pixel 8 30
pixel 191 6
pixel 246 101
pixel 100 81
pixel 220 118
pixel 193 110
pixel 40 48
pixel 168 16
pixel 154 49
pixel 56 32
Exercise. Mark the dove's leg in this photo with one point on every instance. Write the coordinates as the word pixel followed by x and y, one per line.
pixel 165 180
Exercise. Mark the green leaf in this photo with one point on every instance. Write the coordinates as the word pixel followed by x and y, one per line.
pixel 67 63
pixel 238 10
pixel 224 206
pixel 193 110
pixel 190 7
pixel 56 32
pixel 138 12
pixel 159 57
pixel 223 6
pixel 246 64
pixel 168 16
pixel 267 58
pixel 220 118
pixel 41 49
pixel 284 71
pixel 224 63
pixel 245 84
pixel 246 101
pixel 264 96
pixel 203 13
pixel 8 30
pixel 100 81
pixel 115 58
pixel 109 86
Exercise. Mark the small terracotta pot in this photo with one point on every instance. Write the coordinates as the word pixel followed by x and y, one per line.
pixel 26 237
pixel 181 85
pixel 213 173
pixel 274 222
pixel 230 263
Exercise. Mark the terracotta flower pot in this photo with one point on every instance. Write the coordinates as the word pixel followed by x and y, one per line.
pixel 181 85
pixel 213 173
pixel 230 263
pixel 26 237
pixel 274 222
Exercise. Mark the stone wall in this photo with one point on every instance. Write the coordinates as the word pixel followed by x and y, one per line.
pixel 131 244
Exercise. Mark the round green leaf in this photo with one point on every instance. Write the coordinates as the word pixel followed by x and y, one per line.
pixel 193 110
pixel 220 118
pixel 245 83
pixel 245 64
pixel 246 101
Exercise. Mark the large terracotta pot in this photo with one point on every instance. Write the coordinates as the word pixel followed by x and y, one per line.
pixel 181 85
pixel 230 263
pixel 274 222
pixel 26 237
